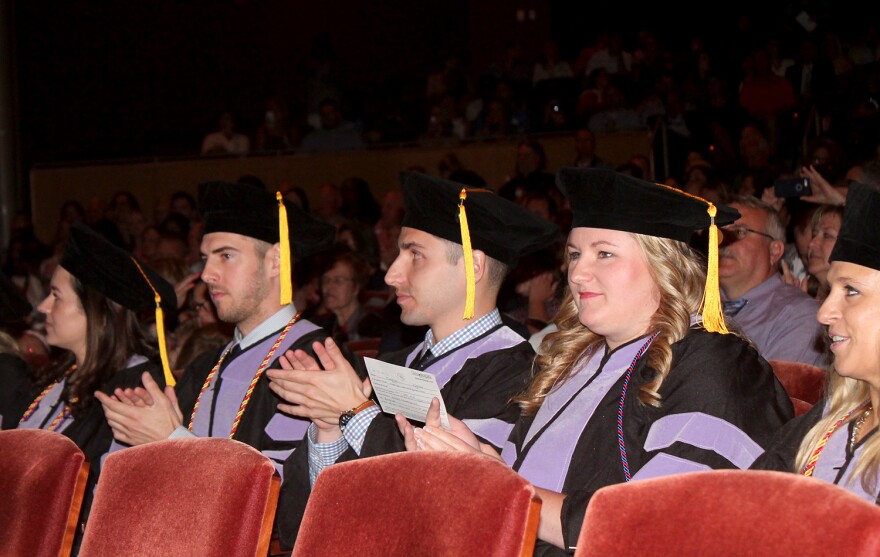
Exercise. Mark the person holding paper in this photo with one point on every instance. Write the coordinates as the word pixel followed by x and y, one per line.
pixel 251 238
pixel 640 380
pixel 456 245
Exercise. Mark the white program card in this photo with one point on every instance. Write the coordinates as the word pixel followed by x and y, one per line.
pixel 405 391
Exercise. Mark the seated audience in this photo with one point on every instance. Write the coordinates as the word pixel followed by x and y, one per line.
pixel 635 384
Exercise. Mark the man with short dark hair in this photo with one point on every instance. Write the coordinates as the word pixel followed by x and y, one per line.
pixel 479 363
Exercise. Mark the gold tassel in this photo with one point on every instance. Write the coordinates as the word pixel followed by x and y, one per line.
pixel 160 329
pixel 468 257
pixel 284 240
pixel 712 310
pixel 163 350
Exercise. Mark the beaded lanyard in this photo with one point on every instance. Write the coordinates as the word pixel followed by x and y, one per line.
pixel 65 412
pixel 620 442
pixel 820 446
pixel 250 390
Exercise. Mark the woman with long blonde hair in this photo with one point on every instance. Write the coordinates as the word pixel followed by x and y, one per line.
pixel 636 383
pixel 836 441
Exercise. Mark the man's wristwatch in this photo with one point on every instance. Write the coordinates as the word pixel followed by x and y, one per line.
pixel 346 416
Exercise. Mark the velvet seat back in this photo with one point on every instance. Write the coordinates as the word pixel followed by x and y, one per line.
pixel 42 480
pixel 420 503
pixel 729 512
pixel 183 497
pixel 805 384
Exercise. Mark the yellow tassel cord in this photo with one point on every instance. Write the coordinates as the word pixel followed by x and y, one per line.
pixel 284 240
pixel 713 313
pixel 710 308
pixel 160 330
pixel 468 257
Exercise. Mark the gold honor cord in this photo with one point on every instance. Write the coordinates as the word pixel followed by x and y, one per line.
pixel 710 307
pixel 284 242
pixel 160 329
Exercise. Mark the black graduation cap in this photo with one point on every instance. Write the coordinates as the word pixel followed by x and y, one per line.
pixel 603 198
pixel 114 272
pixel 475 218
pixel 13 305
pixel 119 276
pixel 503 230
pixel 249 211
pixel 859 238
pixel 253 212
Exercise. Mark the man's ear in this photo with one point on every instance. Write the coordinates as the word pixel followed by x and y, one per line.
pixel 272 260
pixel 480 269
pixel 777 249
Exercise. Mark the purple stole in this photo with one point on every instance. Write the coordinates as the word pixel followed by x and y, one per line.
pixel 237 377
pixel 46 406
pixel 567 410
pixel 833 460
pixel 447 365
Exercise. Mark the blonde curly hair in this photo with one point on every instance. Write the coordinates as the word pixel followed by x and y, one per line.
pixel 680 278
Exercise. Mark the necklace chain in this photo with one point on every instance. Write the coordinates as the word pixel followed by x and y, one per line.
pixel 857 427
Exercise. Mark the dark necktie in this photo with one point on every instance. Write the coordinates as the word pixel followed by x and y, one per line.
pixel 423 361
pixel 732 307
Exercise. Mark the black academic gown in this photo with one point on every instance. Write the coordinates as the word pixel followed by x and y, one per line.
pixel 713 374
pixel 483 388
pixel 263 405
pixel 91 432
pixel 783 452
pixel 15 387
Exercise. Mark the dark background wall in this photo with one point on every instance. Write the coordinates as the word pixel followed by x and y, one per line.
pixel 104 79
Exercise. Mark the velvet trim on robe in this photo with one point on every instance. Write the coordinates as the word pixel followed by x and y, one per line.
pixel 274 439
pixel 713 376
pixel 483 388
pixel 835 464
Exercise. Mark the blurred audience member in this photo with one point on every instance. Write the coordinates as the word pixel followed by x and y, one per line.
pixel 341 285
pixel 226 141
pixel 334 134
pixel 585 151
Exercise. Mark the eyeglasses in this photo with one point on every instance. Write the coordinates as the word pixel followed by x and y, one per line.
pixel 736 233
pixel 335 281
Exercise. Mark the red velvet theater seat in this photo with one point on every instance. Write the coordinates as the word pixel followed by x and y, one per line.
pixel 729 512
pixel 42 480
pixel 421 503
pixel 805 384
pixel 183 497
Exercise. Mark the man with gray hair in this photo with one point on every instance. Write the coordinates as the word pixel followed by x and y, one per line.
pixel 780 319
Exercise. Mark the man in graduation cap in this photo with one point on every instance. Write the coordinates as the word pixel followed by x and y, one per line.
pixel 456 246
pixel 250 238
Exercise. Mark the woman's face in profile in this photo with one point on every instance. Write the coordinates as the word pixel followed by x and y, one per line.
pixel 66 323
pixel 824 238
pixel 852 313
pixel 611 284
